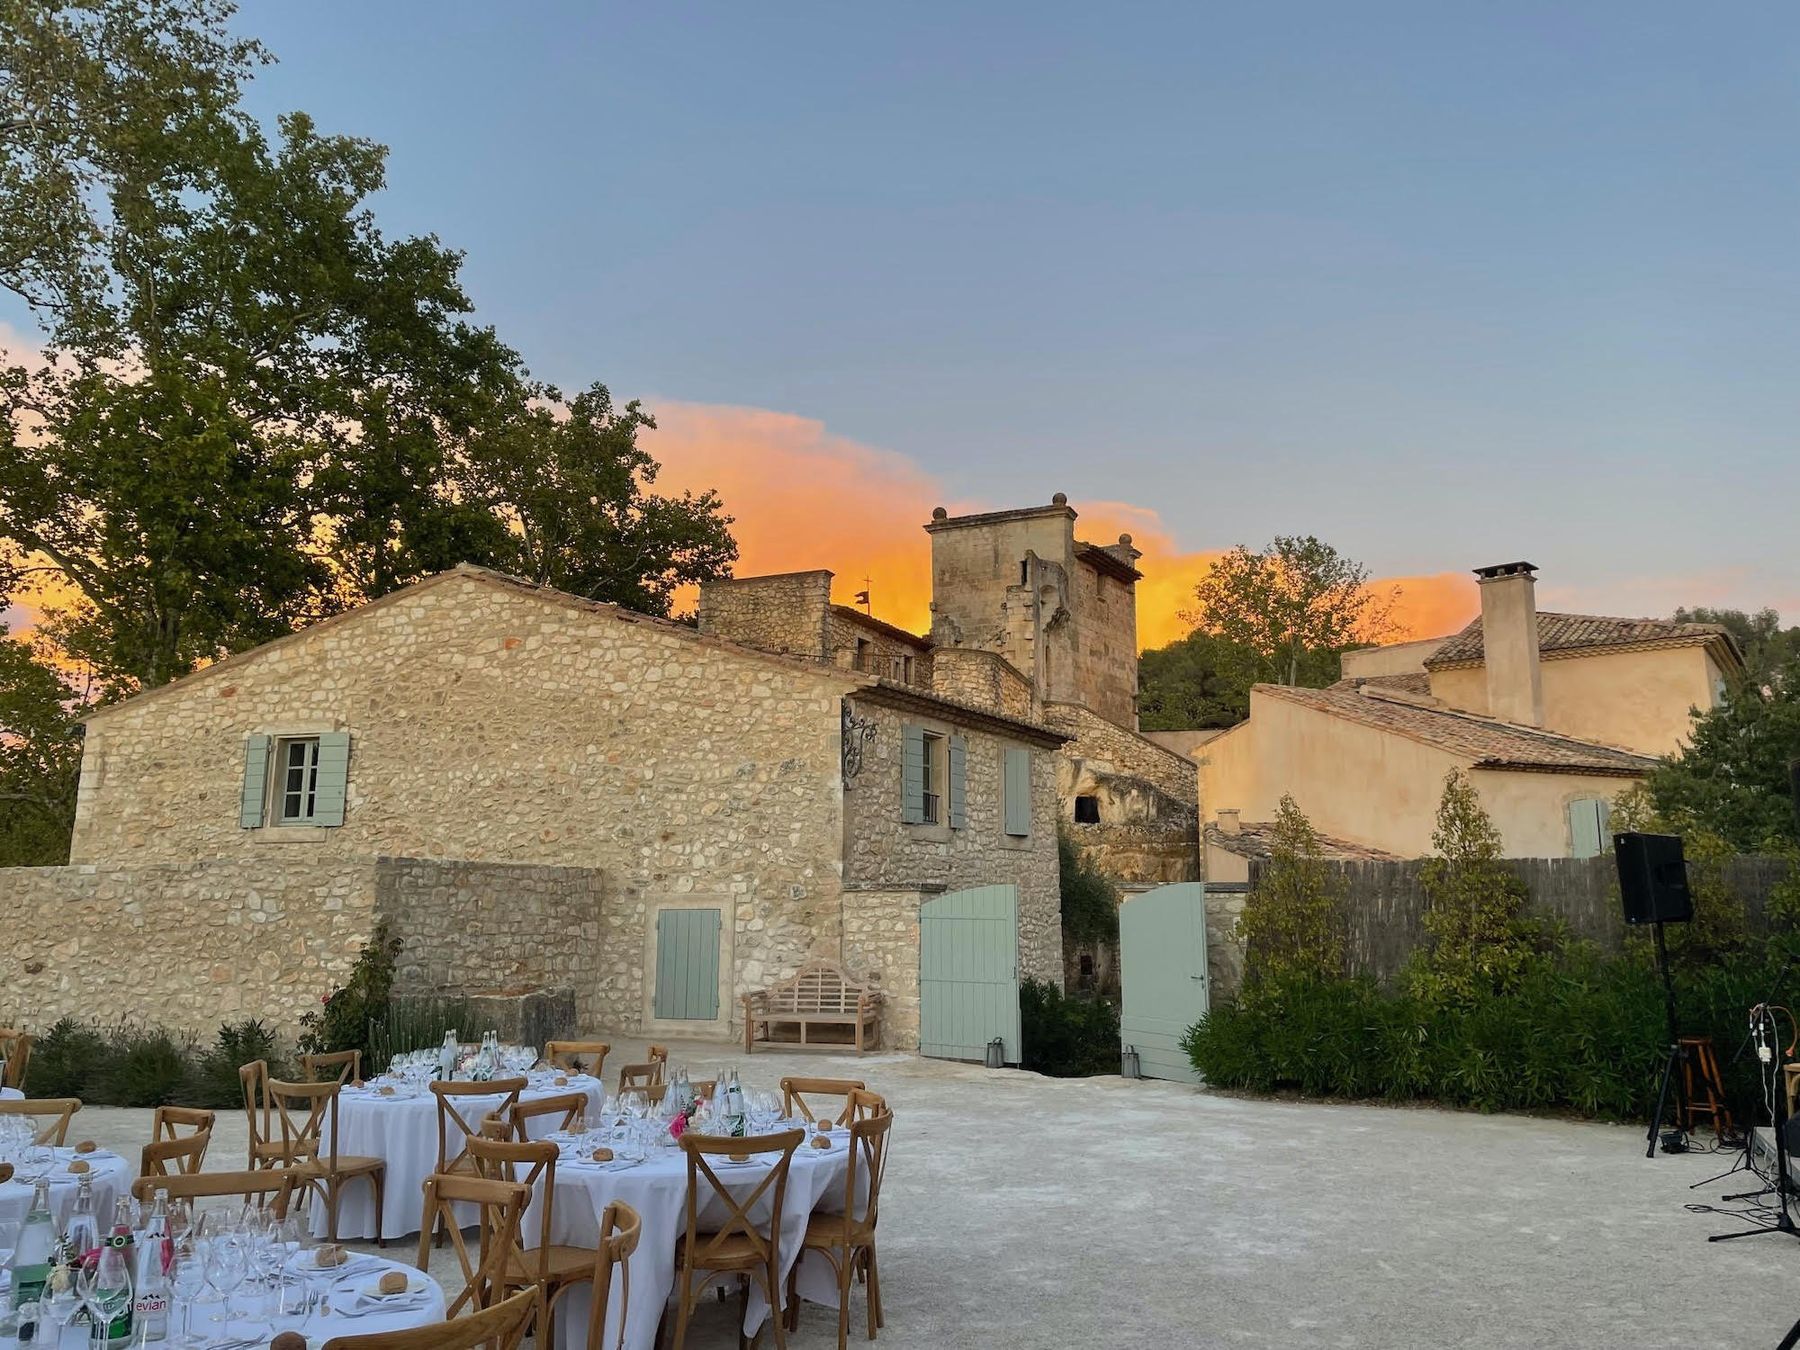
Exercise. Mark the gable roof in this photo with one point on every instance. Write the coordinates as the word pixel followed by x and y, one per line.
pixel 852 615
pixel 1564 635
pixel 1256 839
pixel 1485 742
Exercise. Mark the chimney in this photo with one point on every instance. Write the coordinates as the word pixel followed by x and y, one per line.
pixel 1509 642
pixel 1227 821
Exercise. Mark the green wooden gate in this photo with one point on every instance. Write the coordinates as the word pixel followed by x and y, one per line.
pixel 1162 974
pixel 687 964
pixel 969 973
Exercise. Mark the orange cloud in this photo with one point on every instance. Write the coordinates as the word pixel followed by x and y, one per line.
pixel 803 498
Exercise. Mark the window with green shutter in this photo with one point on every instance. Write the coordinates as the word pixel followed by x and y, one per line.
pixel 1590 820
pixel 256 782
pixel 1015 790
pixel 295 780
pixel 913 761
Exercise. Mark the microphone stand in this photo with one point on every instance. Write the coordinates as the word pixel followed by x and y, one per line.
pixel 1784 1222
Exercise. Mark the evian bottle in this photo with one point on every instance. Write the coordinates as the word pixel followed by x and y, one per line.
pixel 150 1305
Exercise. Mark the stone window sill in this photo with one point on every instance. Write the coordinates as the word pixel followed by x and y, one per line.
pixel 936 834
pixel 292 834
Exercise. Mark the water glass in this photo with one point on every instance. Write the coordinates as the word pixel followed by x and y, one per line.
pixel 227 1264
pixel 187 1280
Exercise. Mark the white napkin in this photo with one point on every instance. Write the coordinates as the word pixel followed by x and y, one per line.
pixel 362 1303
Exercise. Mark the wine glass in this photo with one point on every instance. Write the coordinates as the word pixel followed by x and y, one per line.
pixel 187 1280
pixel 105 1306
pixel 227 1264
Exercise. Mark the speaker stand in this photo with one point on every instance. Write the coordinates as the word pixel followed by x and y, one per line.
pixel 1676 1053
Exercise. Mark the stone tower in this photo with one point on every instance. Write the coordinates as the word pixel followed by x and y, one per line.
pixel 1061 610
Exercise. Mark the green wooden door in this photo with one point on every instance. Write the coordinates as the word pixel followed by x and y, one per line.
pixel 1162 973
pixel 687 964
pixel 969 973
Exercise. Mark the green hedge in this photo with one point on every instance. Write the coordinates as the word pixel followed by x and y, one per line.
pixel 1580 1033
pixel 126 1064
pixel 1067 1035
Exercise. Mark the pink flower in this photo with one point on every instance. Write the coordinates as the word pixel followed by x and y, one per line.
pixel 676 1126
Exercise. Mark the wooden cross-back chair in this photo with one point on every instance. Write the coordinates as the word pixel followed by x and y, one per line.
pixel 739 1245
pixel 637 1077
pixel 15 1050
pixel 178 1157
pixel 500 1206
pixel 795 1091
pixel 501 1327
pixel 570 1105
pixel 307 1113
pixel 264 1149
pixel 272 1189
pixel 456 1129
pixel 343 1065
pixel 620 1228
pixel 578 1056
pixel 847 1240
pixel 554 1268
pixel 169 1122
pixel 53 1115
pixel 862 1104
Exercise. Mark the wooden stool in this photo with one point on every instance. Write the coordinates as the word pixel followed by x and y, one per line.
pixel 1702 1087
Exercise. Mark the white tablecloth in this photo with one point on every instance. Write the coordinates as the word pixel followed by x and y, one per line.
pixel 657 1189
pixel 11 1095
pixel 112 1176
pixel 404 1131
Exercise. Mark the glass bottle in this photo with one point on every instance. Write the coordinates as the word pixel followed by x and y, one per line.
pixel 112 1280
pixel 81 1239
pixel 34 1250
pixel 150 1303
pixel 447 1056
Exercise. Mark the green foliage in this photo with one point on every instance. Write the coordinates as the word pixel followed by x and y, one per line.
pixel 1294 923
pixel 1067 1036
pixel 1203 680
pixel 1575 1032
pixel 1720 924
pixel 1731 778
pixel 238 1043
pixel 414 1024
pixel 147 1067
pixel 1479 937
pixel 1296 601
pixel 347 1015
pixel 68 1061
pixel 40 758
pixel 1090 901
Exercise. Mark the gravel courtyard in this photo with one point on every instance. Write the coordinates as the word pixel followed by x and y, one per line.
pixel 1023 1211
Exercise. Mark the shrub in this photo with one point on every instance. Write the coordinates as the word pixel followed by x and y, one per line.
pixel 1090 902
pixel 146 1068
pixel 346 1014
pixel 238 1043
pixel 69 1060
pixel 1067 1036
pixel 1294 924
pixel 414 1024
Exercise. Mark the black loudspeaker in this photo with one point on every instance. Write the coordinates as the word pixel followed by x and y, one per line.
pixel 1653 878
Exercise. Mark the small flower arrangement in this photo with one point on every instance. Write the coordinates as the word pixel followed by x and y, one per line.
pixel 679 1123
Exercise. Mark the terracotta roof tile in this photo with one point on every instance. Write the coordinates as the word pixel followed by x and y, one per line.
pixel 1566 634
pixel 1489 744
pixel 1414 682
pixel 1256 838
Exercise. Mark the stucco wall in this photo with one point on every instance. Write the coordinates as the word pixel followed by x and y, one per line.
pixel 1396 658
pixel 1377 788
pixel 183 946
pixel 1639 700
pixel 884 854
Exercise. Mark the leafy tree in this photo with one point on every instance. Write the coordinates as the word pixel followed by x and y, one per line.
pixel 1295 601
pixel 1090 901
pixel 570 484
pixel 1480 940
pixel 1295 924
pixel 1204 681
pixel 1721 924
pixel 1769 649
pixel 40 758
pixel 1731 779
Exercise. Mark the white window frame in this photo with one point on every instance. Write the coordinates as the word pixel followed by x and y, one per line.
pixel 307 791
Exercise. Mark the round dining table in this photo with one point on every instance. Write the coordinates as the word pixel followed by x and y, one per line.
pixel 11 1095
pixel 402 1129
pixel 112 1177
pixel 657 1189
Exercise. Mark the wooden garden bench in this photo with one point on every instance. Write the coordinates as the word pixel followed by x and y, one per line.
pixel 820 994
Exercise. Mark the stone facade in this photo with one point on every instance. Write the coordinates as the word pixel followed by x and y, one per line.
pixel 782 613
pixel 532 779
pixel 855 641
pixel 985 679
pixel 1143 824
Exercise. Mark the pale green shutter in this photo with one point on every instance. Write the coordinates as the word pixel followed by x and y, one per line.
pixel 687 964
pixel 959 768
pixel 912 775
pixel 1016 788
pixel 1585 829
pixel 334 777
pixel 256 782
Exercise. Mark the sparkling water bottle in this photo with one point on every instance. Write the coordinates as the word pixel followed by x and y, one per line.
pixel 150 1304
pixel 112 1280
pixel 34 1251
pixel 447 1056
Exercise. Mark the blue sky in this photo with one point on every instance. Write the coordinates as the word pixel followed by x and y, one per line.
pixel 1445 284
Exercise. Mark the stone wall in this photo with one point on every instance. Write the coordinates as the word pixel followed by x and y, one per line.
pixel 1113 749
pixel 1224 949
pixel 180 945
pixel 1105 640
pixel 856 642
pixel 786 612
pixel 493 723
pixel 470 928
pixel 881 946
pixel 884 854
pixel 983 679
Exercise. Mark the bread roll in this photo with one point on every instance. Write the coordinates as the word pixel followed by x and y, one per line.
pixel 330 1254
pixel 603 1155
pixel 288 1340
pixel 86 1146
pixel 77 1167
pixel 392 1282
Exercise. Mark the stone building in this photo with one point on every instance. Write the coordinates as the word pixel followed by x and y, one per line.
pixel 538 790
